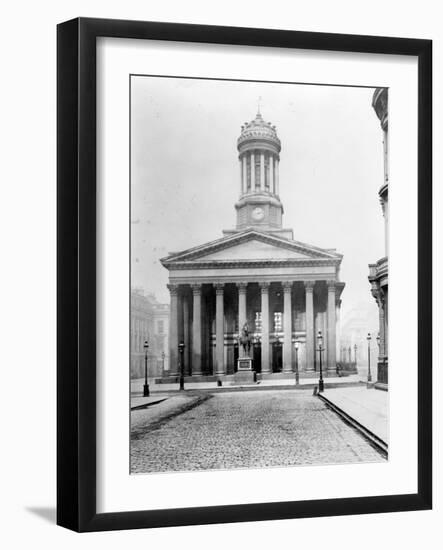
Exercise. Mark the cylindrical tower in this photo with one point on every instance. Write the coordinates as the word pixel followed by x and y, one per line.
pixel 259 155
pixel 380 105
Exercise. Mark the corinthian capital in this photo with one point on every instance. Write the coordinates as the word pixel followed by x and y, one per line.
pixel 264 287
pixel 173 289
pixel 287 286
pixel 196 289
pixel 219 287
pixel 331 286
pixel 309 286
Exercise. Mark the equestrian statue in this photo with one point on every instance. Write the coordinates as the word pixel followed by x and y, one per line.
pixel 245 340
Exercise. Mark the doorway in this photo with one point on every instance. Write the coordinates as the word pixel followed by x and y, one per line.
pixel 256 358
pixel 277 358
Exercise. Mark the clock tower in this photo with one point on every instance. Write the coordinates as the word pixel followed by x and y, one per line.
pixel 259 206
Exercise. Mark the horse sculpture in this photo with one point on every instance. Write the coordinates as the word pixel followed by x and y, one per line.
pixel 245 340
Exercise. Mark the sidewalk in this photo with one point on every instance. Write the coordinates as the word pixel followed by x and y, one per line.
pixel 369 407
pixel 156 389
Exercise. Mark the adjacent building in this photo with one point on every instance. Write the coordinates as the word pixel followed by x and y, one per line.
pixel 287 291
pixel 378 272
pixel 149 321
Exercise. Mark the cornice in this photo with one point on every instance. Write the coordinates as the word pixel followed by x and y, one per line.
pixel 214 264
pixel 246 236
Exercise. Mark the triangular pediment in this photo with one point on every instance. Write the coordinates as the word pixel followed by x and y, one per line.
pixel 253 250
pixel 251 246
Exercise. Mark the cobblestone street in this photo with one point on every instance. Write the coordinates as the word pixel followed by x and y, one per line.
pixel 249 430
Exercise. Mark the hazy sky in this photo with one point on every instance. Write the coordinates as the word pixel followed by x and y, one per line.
pixel 185 171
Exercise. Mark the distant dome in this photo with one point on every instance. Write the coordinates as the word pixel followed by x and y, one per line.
pixel 258 131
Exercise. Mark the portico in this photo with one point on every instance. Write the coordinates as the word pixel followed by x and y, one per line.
pixel 283 300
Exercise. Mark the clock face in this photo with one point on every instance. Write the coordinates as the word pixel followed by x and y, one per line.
pixel 258 214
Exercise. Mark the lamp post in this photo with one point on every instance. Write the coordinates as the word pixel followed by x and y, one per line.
pixel 368 338
pixel 163 363
pixel 321 386
pixel 297 376
pixel 181 349
pixel 146 385
pixel 277 344
pixel 355 354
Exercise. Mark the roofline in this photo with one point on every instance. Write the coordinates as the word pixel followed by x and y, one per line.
pixel 177 256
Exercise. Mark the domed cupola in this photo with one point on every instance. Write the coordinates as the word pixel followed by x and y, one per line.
pixel 259 148
pixel 258 132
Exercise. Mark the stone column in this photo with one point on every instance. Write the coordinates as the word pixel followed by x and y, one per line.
pixel 245 175
pixel 240 162
pixel 173 330
pixel 310 332
pixel 262 171
pixel 186 339
pixel 337 327
pixel 242 288
pixel 252 172
pixel 265 355
pixel 271 173
pixel 287 326
pixel 219 330
pixel 381 323
pixel 332 360
pixel 196 329
pixel 276 177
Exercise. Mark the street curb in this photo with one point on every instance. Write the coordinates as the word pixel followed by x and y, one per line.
pixel 259 387
pixel 146 405
pixel 199 399
pixel 381 445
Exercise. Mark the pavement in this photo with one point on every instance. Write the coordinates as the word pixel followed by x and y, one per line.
pixel 146 419
pixel 368 406
pixel 137 384
pixel 248 429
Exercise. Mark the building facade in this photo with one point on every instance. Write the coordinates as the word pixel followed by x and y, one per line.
pixel 149 321
pixel 378 272
pixel 257 273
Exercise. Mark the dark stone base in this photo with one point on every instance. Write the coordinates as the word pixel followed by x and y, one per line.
pixel 229 379
pixel 196 378
pixel 243 377
pixel 310 375
pixel 381 386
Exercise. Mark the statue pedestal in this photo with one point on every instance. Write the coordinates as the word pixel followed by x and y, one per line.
pixel 244 374
pixel 244 364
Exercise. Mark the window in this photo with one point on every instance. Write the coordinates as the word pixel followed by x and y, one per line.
pixel 258 321
pixel 278 321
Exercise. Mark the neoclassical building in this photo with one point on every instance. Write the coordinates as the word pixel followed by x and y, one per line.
pixel 378 272
pixel 286 290
pixel 149 321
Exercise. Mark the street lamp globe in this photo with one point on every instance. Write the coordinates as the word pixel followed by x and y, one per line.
pixel 146 345
pixel 320 338
pixel 378 339
pixel 369 337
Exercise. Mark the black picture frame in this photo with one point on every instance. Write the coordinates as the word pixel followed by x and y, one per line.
pixel 76 265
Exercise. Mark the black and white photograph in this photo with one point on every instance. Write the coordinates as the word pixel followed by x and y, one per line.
pixel 259 242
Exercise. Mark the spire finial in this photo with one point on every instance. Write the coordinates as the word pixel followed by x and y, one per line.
pixel 258 105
